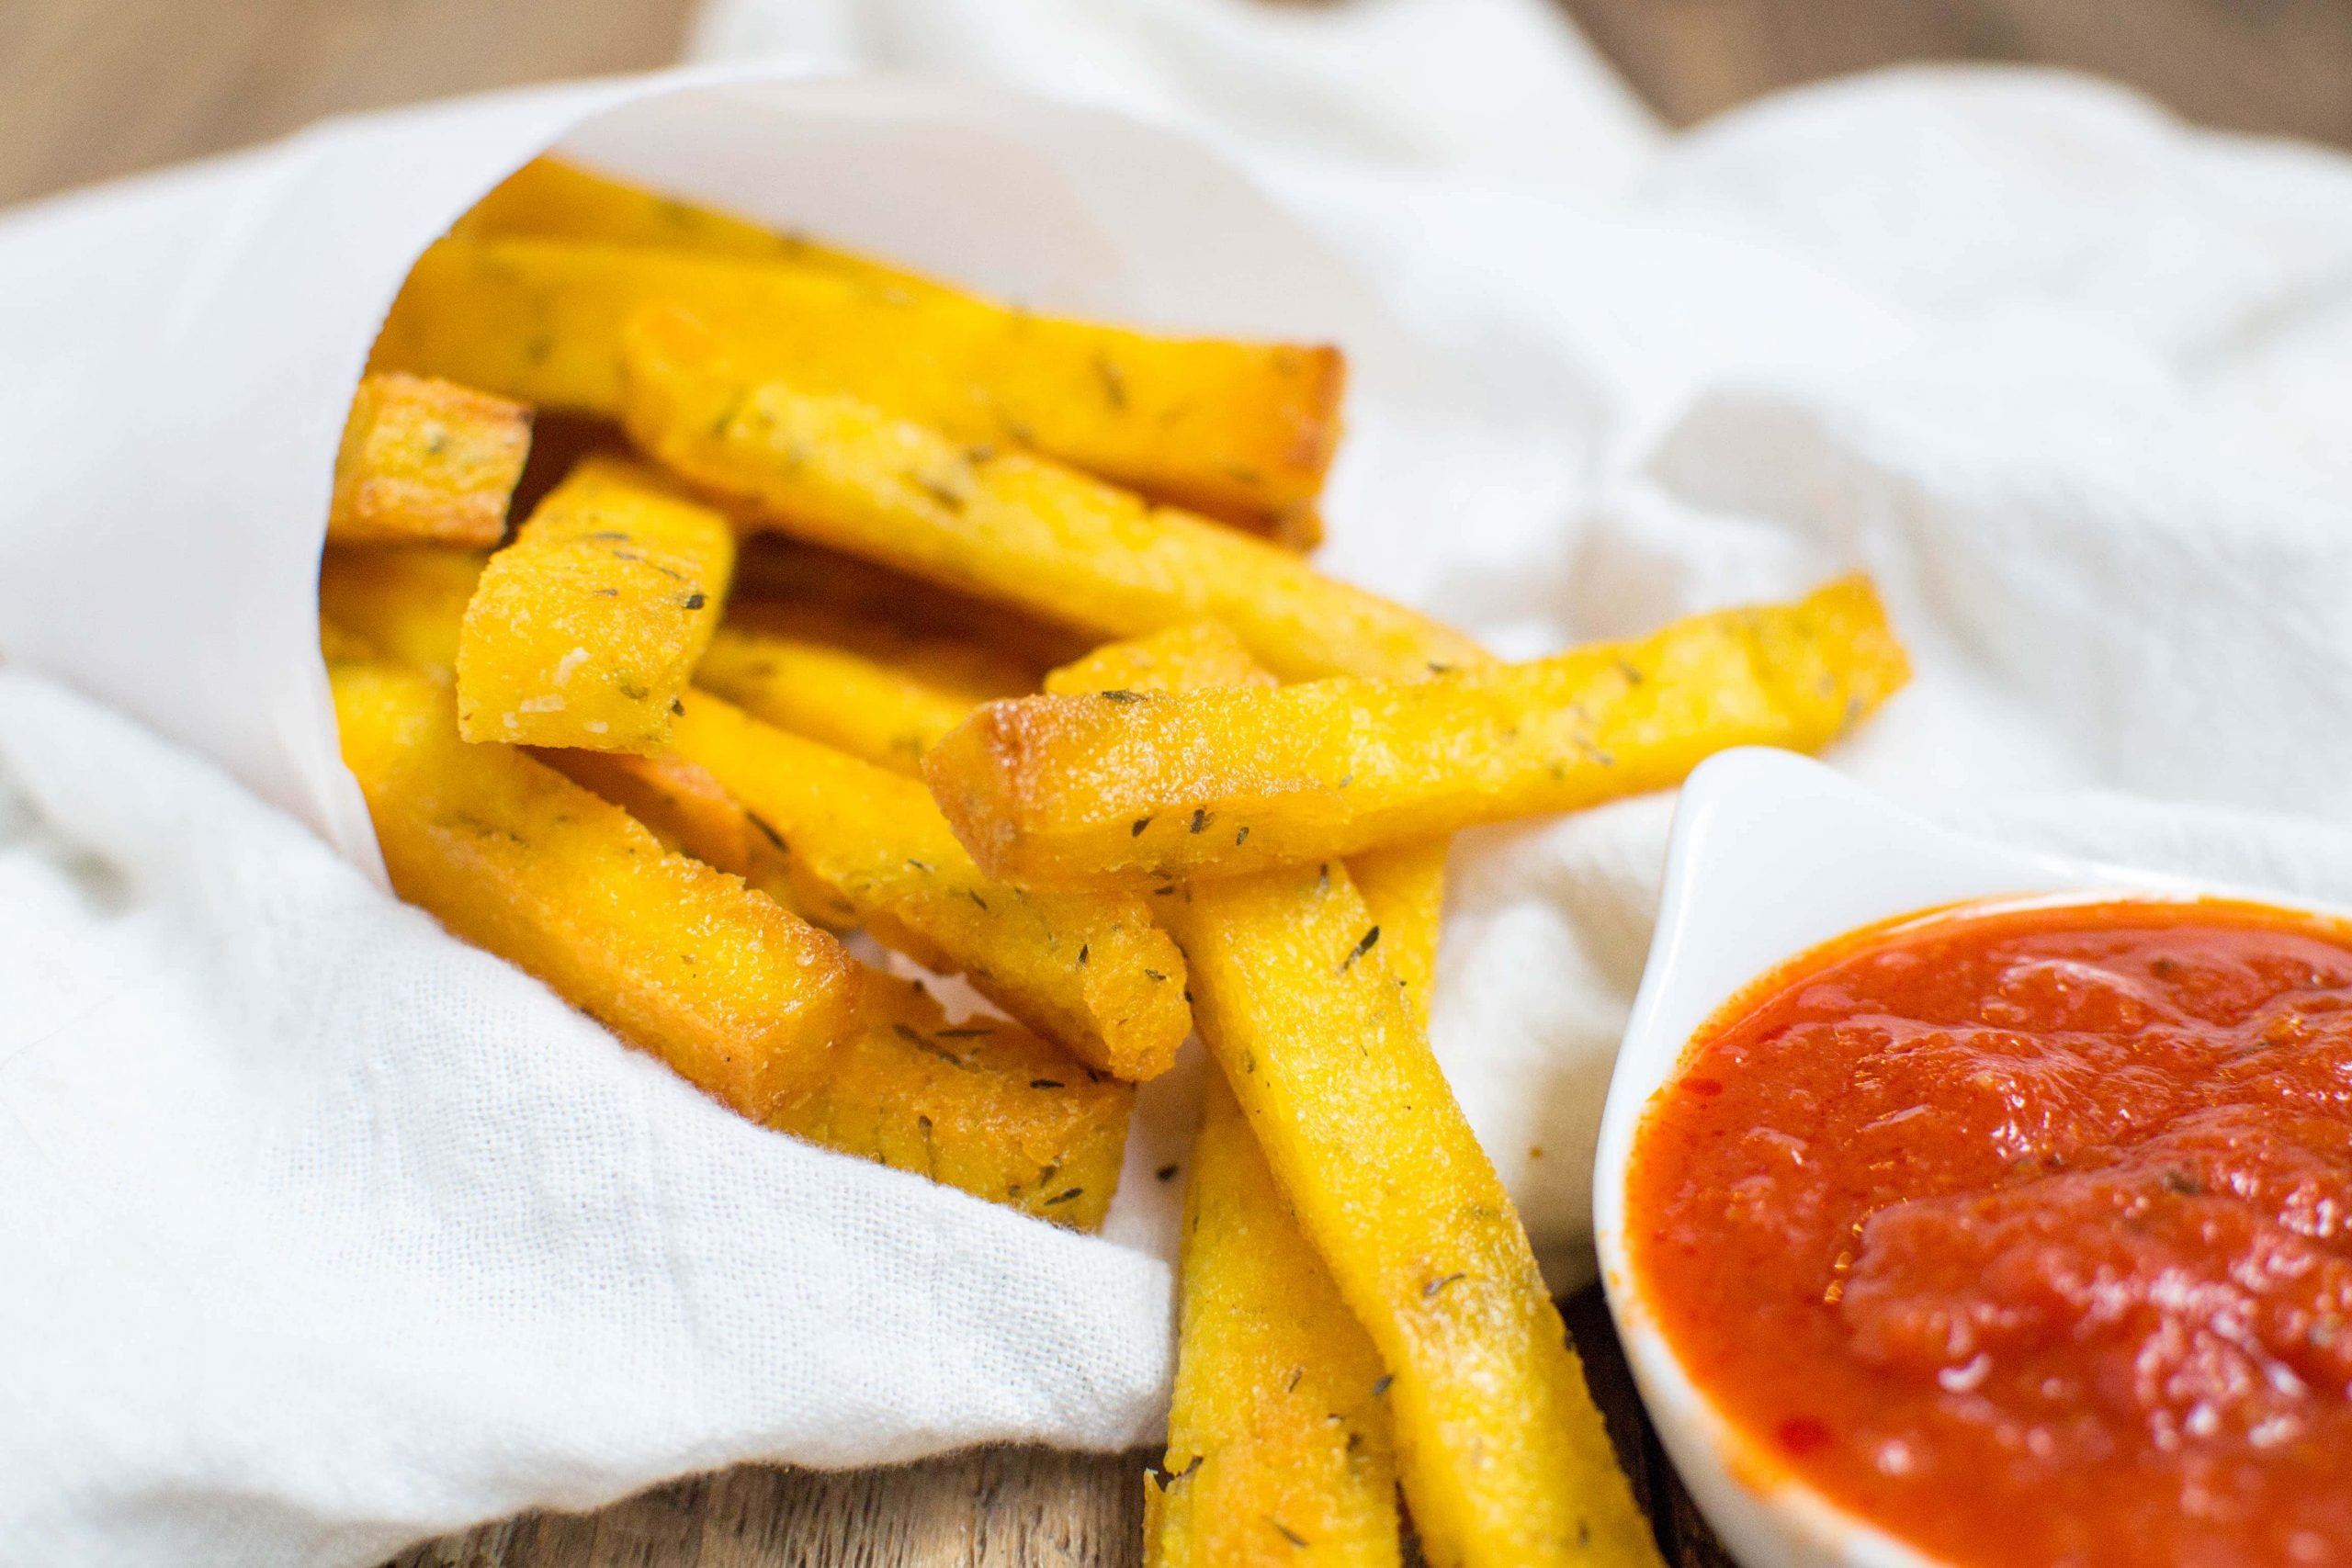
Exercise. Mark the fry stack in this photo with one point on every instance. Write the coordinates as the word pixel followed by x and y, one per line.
pixel 855 606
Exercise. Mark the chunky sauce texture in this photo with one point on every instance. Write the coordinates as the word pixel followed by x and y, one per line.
pixel 2023 1233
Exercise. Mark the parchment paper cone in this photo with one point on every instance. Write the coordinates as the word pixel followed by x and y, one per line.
pixel 176 350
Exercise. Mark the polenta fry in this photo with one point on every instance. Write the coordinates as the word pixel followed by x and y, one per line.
pixel 1504 1458
pixel 426 461
pixel 875 712
pixel 679 803
pixel 1187 657
pixel 1298 1003
pixel 405 603
pixel 1278 1445
pixel 747 1002
pixel 1089 971
pixel 1405 884
pixel 1052 790
pixel 983 1106
pixel 584 631
pixel 548 199
pixel 996 522
pixel 1241 430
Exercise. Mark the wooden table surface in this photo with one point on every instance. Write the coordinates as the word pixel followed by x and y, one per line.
pixel 90 88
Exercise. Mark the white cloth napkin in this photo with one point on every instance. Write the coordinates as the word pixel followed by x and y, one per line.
pixel 318 1232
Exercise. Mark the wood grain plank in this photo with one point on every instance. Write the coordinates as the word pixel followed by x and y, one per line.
pixel 987 1509
pixel 2280 67
pixel 91 88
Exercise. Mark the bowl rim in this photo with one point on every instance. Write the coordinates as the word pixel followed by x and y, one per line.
pixel 1832 857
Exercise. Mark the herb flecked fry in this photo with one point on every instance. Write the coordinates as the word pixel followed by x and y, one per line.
pixel 426 461
pixel 1405 884
pixel 1242 430
pixel 1278 1451
pixel 1000 523
pixel 548 199
pixel 983 1106
pixel 684 807
pixel 680 803
pixel 1504 1458
pixel 1089 971
pixel 1069 791
pixel 874 711
pixel 1184 657
pixel 584 631
pixel 746 1001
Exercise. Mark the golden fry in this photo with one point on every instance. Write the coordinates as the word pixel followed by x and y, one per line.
pixel 403 602
pixel 407 605
pixel 1278 1447
pixel 1186 657
pixel 744 1001
pixel 679 803
pixel 997 522
pixel 878 713
pixel 1089 971
pixel 1062 790
pixel 983 1106
pixel 1244 430
pixel 548 199
pixel 426 461
pixel 1297 999
pixel 584 631
pixel 1505 1459
pixel 1405 884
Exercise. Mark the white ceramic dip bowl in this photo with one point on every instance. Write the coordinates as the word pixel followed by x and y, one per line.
pixel 1772 856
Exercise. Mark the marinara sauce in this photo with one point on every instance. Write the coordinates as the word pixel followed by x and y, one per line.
pixel 2023 1233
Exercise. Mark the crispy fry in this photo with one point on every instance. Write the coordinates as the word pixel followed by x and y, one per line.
pixel 1065 790
pixel 403 604
pixel 745 1001
pixel 1504 1457
pixel 1405 884
pixel 1300 528
pixel 407 605
pixel 425 461
pixel 548 199
pixel 984 1106
pixel 1089 971
pixel 880 714
pixel 1186 657
pixel 1505 1454
pixel 1021 528
pixel 1243 430
pixel 1278 1448
pixel 584 631
pixel 679 803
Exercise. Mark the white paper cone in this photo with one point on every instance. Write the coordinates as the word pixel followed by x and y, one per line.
pixel 179 349
pixel 326 1231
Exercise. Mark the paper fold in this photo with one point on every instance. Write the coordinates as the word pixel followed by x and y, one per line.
pixel 181 347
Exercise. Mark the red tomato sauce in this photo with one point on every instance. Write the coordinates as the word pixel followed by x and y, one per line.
pixel 2027 1234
